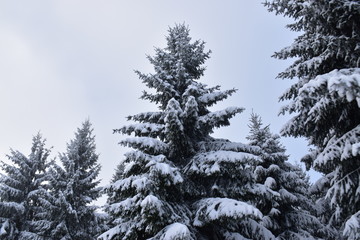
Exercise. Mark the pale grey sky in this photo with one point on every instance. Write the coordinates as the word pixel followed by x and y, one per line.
pixel 64 61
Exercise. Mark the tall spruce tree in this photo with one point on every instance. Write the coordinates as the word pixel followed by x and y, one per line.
pixel 325 99
pixel 24 198
pixel 178 182
pixel 75 187
pixel 289 212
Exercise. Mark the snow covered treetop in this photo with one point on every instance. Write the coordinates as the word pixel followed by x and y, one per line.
pixel 176 66
pixel 184 117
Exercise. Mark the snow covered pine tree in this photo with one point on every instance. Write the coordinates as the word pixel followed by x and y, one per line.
pixel 75 187
pixel 325 100
pixel 288 210
pixel 178 182
pixel 23 194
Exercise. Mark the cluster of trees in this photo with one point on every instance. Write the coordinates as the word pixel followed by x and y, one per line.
pixel 179 182
pixel 40 199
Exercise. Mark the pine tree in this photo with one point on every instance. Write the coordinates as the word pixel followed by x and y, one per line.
pixel 178 182
pixel 289 211
pixel 226 193
pixel 325 99
pixel 24 199
pixel 75 187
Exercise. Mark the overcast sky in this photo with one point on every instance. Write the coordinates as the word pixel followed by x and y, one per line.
pixel 62 62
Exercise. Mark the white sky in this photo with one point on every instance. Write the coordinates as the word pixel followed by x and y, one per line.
pixel 64 61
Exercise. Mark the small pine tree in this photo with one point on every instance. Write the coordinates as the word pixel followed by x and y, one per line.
pixel 325 99
pixel 23 193
pixel 75 187
pixel 288 210
pixel 178 182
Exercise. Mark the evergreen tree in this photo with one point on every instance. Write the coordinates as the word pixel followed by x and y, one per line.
pixel 75 187
pixel 325 99
pixel 178 182
pixel 289 211
pixel 24 199
pixel 226 194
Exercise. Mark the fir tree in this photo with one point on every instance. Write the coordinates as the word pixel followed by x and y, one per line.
pixel 289 211
pixel 225 194
pixel 325 99
pixel 24 199
pixel 179 182
pixel 75 187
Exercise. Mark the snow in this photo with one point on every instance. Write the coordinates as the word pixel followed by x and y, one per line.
pixel 128 166
pixel 153 203
pixel 211 209
pixel 344 82
pixel 211 162
pixel 285 194
pixel 174 231
pixel 226 145
pixel 157 165
pixel 355 149
pixel 270 182
pixel 217 118
pixel 141 182
pixel 173 118
pixel 352 227
pixel 14 207
pixel 145 143
pixel 234 236
pixel 137 182
pixel 191 109
pixel 9 189
pixel 138 155
pixel 124 205
pixel 227 156
pixel 339 148
pixel 151 117
pixel 211 98
pixel 111 232
pixel 4 227
pixel 141 129
pixel 166 169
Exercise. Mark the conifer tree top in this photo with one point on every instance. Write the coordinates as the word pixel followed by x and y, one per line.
pixel 175 66
pixel 183 101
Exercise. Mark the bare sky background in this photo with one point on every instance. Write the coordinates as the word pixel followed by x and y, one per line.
pixel 62 62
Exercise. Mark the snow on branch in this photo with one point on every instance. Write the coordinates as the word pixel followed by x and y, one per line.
pixel 345 83
pixel 352 226
pixel 218 209
pixel 147 117
pixel 166 169
pixel 226 145
pixel 153 204
pixel 211 162
pixel 211 98
pixel 151 168
pixel 140 183
pixel 340 149
pixel 12 207
pixel 142 129
pixel 219 118
pixel 146 144
pixel 174 231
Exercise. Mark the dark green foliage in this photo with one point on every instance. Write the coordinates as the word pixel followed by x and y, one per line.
pixel 288 209
pixel 325 98
pixel 75 187
pixel 24 197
